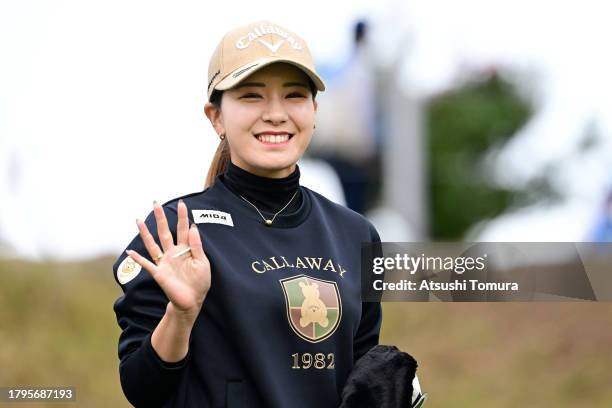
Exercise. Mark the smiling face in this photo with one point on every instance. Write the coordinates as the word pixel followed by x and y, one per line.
pixel 268 120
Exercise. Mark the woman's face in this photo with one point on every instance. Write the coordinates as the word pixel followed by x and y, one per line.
pixel 268 120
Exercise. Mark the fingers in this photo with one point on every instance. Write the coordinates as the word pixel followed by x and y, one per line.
pixel 148 240
pixel 195 243
pixel 144 262
pixel 182 228
pixel 163 232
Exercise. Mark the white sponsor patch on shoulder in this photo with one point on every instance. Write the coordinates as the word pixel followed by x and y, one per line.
pixel 212 216
pixel 127 270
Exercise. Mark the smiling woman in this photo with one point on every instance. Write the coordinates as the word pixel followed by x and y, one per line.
pixel 267 121
pixel 258 303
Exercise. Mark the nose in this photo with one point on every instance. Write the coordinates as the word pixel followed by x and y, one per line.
pixel 274 112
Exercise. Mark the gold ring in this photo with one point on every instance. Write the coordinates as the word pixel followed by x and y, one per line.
pixel 158 257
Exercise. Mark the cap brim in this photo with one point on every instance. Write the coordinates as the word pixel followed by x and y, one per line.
pixel 239 74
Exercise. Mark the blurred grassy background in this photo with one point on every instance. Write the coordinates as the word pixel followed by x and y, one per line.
pixel 57 328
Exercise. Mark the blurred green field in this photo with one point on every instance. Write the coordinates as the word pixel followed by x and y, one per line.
pixel 57 328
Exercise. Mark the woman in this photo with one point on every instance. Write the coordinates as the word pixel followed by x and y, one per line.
pixel 252 296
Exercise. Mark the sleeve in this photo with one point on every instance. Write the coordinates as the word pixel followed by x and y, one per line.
pixel 146 380
pixel 371 318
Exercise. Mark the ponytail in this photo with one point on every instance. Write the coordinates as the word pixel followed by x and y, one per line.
pixel 221 158
pixel 219 162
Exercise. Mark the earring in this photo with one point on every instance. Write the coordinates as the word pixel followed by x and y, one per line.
pixel 315 126
pixel 222 136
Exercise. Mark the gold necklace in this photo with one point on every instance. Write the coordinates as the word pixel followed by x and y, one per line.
pixel 269 222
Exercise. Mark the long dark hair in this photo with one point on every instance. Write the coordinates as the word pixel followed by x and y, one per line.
pixel 221 159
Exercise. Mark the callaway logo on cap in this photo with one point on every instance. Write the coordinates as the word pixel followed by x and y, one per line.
pixel 249 48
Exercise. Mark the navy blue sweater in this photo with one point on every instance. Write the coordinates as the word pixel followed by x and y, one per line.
pixel 283 322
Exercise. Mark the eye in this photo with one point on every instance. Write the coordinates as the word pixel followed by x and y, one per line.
pixel 296 94
pixel 250 95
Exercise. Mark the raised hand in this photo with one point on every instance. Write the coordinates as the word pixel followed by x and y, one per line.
pixel 184 278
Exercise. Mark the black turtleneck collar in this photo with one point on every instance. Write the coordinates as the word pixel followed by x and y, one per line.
pixel 268 194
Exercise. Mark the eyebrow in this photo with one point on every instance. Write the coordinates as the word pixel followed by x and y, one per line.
pixel 262 85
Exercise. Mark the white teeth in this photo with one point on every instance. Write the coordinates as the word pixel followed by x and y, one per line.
pixel 273 138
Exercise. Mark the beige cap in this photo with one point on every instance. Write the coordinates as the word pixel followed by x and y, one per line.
pixel 249 48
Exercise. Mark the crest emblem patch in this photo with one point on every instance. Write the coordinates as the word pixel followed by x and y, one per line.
pixel 127 270
pixel 314 307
